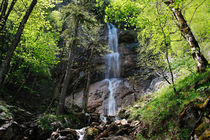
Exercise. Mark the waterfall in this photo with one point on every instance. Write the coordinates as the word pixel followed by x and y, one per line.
pixel 112 59
pixel 113 68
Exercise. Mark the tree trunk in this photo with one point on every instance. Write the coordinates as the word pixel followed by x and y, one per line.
pixel 65 83
pixel 5 64
pixel 171 72
pixel 86 89
pixel 187 33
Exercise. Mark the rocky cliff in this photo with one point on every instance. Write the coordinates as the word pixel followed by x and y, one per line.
pixel 127 90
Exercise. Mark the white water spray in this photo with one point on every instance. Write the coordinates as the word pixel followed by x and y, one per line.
pixel 81 133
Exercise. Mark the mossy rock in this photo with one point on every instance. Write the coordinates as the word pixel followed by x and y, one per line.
pixel 91 133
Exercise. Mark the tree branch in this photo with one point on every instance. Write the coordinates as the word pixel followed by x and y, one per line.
pixel 195 11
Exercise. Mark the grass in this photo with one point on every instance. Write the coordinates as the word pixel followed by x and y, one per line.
pixel 160 110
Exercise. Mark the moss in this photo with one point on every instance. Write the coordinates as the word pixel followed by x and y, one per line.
pixel 92 131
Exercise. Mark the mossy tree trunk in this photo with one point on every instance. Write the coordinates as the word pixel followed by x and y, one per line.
pixel 188 35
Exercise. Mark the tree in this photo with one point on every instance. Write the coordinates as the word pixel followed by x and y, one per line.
pixel 166 43
pixel 86 36
pixel 123 13
pixel 188 35
pixel 6 63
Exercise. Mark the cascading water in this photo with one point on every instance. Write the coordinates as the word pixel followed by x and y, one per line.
pixel 113 68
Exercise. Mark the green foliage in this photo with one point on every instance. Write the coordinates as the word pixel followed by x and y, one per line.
pixel 55 17
pixel 38 45
pixel 45 122
pixel 88 32
pixel 184 64
pixel 37 51
pixel 123 13
pixel 99 9
pixel 50 122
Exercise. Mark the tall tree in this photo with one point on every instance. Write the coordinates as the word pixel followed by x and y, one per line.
pixel 65 82
pixel 84 32
pixel 188 35
pixel 16 39
pixel 166 43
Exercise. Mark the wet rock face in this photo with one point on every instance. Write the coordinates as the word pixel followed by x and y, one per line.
pixel 99 93
pixel 128 59
pixel 127 43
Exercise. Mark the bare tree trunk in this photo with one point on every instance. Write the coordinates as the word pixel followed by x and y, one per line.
pixel 65 83
pixel 5 64
pixel 86 89
pixel 187 33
